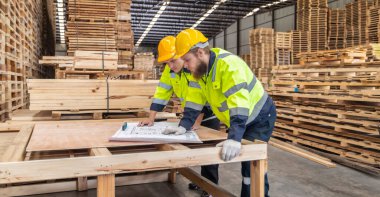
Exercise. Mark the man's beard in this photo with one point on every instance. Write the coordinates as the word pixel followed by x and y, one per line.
pixel 200 71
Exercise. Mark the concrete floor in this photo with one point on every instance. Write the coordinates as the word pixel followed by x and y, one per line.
pixel 289 176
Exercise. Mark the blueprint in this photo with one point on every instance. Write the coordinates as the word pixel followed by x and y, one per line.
pixel 153 134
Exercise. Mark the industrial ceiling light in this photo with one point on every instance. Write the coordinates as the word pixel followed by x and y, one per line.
pixel 212 9
pixel 61 20
pixel 152 22
pixel 264 6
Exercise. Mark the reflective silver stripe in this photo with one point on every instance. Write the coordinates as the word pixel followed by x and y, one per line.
pixel 234 89
pixel 165 86
pixel 223 55
pixel 195 106
pixel 209 118
pixel 160 101
pixel 224 107
pixel 252 84
pixel 239 111
pixel 172 75
pixel 239 86
pixel 256 110
pixel 194 84
pixel 181 99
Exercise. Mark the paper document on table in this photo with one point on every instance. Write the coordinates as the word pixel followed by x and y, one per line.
pixel 153 134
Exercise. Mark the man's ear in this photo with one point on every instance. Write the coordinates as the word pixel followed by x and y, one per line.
pixel 200 53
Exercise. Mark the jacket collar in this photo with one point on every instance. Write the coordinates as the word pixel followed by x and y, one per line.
pixel 211 61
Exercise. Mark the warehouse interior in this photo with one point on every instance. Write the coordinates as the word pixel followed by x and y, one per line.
pixel 76 74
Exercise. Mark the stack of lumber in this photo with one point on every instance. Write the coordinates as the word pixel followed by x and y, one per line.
pixel 74 95
pixel 22 25
pixel 337 28
pixel 124 34
pixel 356 23
pixel 100 26
pixel 143 62
pixel 334 57
pixel 300 43
pixel 262 53
pixel 373 24
pixel 330 107
pixel 283 46
pixel 312 17
pixel 90 25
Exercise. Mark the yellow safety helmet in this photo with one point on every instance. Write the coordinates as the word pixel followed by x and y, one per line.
pixel 188 39
pixel 166 49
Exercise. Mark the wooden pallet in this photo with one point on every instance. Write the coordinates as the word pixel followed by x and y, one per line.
pixel 283 40
pixel 337 29
pixel 300 43
pixel 99 114
pixel 143 62
pixel 262 47
pixel 93 162
pixel 373 14
pixel 340 57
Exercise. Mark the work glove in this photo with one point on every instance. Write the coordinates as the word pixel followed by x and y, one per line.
pixel 230 149
pixel 176 130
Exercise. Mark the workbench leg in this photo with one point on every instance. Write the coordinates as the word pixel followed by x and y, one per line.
pixel 257 178
pixel 172 176
pixel 106 185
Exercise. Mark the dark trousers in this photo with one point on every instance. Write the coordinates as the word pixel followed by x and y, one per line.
pixel 263 127
pixel 210 172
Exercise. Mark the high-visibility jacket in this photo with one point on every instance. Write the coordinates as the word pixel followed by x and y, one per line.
pixel 171 82
pixel 234 93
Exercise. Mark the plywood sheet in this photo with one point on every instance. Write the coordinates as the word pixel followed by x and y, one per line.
pixel 66 136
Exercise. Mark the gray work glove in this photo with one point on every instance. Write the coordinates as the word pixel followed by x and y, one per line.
pixel 176 130
pixel 230 149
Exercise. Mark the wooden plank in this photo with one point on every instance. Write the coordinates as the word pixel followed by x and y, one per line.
pixel 205 184
pixel 16 151
pixel 82 135
pixel 257 178
pixel 303 153
pixel 27 171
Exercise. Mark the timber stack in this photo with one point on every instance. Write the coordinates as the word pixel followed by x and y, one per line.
pixel 300 43
pixel 337 28
pixel 283 46
pixel 21 27
pixel 330 102
pixel 262 53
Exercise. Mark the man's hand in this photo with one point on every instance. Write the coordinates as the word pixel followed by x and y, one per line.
pixel 230 150
pixel 147 122
pixel 176 130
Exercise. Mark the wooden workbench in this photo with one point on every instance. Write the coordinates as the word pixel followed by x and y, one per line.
pixel 78 150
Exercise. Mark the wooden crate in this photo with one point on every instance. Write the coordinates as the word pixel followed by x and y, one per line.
pixel 115 163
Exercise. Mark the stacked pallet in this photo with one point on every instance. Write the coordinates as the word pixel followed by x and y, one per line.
pixel 262 53
pixel 312 17
pixel 75 95
pixel 337 28
pixel 143 62
pixel 100 26
pixel 330 107
pixel 21 41
pixel 283 46
pixel 373 52
pixel 334 57
pixel 373 24
pixel 300 43
pixel 124 34
pixel 356 23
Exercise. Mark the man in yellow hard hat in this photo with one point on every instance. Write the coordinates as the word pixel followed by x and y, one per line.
pixel 175 79
pixel 234 93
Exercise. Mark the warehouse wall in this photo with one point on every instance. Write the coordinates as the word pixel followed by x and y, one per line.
pixel 236 37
